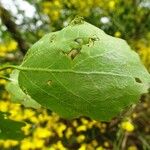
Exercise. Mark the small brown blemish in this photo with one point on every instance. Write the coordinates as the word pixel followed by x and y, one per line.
pixel 52 38
pixel 24 90
pixel 49 82
pixel 138 80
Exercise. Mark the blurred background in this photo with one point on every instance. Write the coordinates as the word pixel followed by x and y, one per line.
pixel 23 22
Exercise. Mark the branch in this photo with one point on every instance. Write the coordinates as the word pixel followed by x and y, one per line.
pixel 6 18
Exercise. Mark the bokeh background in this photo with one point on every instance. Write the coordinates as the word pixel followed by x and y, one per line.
pixel 23 22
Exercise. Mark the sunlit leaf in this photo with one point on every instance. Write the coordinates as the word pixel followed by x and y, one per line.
pixel 81 71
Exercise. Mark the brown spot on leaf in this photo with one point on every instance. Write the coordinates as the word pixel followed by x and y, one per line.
pixel 24 90
pixel 52 38
pixel 49 82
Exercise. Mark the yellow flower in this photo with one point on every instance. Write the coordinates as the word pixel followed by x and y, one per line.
pixel 68 132
pixel 132 148
pixel 3 82
pixel 34 119
pixel 75 123
pixel 12 45
pixel 32 143
pixel 46 4
pixel 28 113
pixel 46 10
pixel 94 143
pixel 52 9
pixel 51 148
pixel 42 132
pixel 106 144
pixel 144 52
pixel 84 121
pixel 83 147
pixel 100 148
pixel 2 54
pixel 3 48
pixel 59 146
pixel 55 15
pixel 26 129
pixel 111 4
pixel 5 95
pixel 80 138
pixel 92 123
pixel 16 112
pixel 60 128
pixel 43 117
pixel 127 125
pixel 4 106
pixel 117 34
pixel 57 3
pixel 8 143
pixel 81 128
pixel 38 143
pixel 26 144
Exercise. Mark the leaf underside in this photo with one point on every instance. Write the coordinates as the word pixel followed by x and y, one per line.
pixel 81 71
pixel 17 95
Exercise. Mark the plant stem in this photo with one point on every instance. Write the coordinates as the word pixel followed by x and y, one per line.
pixel 5 78
pixel 7 67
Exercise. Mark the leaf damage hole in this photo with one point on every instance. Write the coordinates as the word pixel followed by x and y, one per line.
pixel 79 41
pixel 73 53
pixel 138 80
pixel 49 82
pixel 92 40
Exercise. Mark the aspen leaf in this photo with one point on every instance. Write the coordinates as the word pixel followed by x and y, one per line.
pixel 81 71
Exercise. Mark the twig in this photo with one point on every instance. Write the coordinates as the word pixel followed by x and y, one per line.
pixel 12 28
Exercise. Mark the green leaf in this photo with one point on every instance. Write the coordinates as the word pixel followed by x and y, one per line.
pixel 17 95
pixel 81 71
pixel 10 129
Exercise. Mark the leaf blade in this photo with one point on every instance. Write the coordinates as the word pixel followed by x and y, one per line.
pixel 98 82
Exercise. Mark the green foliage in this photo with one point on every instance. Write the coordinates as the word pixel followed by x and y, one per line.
pixel 17 95
pixel 10 129
pixel 81 71
pixel 126 19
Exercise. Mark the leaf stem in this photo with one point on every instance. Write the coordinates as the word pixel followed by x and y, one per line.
pixel 5 68
pixel 8 67
pixel 5 78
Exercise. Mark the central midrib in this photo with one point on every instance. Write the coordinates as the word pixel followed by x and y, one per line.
pixel 68 71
